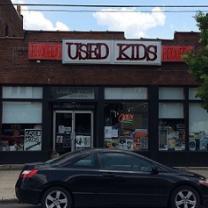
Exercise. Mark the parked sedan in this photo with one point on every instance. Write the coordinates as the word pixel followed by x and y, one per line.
pixel 102 178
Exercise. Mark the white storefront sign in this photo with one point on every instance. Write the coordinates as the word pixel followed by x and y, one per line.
pixel 111 52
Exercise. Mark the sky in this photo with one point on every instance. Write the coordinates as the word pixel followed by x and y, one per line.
pixel 154 23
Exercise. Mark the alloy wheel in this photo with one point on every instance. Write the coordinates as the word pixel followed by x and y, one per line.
pixel 56 199
pixel 185 199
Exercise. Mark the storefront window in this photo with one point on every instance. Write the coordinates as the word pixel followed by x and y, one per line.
pixel 21 137
pixel 198 128
pixel 171 127
pixel 21 128
pixel 171 93
pixel 133 93
pixel 22 92
pixel 126 126
pixel 193 94
pixel 79 93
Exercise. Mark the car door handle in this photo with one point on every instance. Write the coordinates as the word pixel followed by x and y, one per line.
pixel 108 175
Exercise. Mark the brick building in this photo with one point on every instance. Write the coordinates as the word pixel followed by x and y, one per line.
pixel 63 91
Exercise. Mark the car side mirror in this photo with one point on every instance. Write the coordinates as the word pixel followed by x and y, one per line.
pixel 155 170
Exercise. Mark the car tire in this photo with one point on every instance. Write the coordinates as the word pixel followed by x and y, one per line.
pixel 57 196
pixel 185 197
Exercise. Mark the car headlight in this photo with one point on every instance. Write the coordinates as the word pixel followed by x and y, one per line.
pixel 204 182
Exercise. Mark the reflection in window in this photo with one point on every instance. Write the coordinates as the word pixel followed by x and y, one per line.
pixel 193 94
pixel 119 161
pixel 86 162
pixel 126 126
pixel 171 127
pixel 198 128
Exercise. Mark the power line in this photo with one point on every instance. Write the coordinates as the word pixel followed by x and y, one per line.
pixel 111 11
pixel 107 5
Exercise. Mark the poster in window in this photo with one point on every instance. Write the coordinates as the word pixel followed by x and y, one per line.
pixel 33 140
pixel 83 141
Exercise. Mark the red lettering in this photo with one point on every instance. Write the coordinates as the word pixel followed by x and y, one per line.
pixel 125 117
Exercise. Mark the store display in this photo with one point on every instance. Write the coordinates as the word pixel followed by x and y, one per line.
pixel 123 133
pixel 171 135
pixel 198 141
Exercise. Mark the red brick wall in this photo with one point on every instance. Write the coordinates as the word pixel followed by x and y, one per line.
pixel 17 69
pixel 11 23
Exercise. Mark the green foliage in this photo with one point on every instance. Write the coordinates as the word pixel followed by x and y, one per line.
pixel 198 59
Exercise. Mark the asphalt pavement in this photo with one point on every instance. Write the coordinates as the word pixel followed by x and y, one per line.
pixel 10 204
pixel 18 205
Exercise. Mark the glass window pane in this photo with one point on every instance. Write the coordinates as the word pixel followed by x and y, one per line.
pixel 126 126
pixel 21 112
pixel 198 128
pixel 86 162
pixel 119 161
pixel 72 93
pixel 171 135
pixel 171 110
pixel 21 137
pixel 170 93
pixel 135 93
pixel 192 94
pixel 23 92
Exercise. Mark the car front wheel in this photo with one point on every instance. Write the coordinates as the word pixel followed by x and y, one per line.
pixel 185 197
pixel 56 197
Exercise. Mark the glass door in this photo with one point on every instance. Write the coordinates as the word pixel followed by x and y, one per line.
pixel 83 129
pixel 73 130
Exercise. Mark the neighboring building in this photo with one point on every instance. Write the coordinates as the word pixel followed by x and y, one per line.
pixel 62 91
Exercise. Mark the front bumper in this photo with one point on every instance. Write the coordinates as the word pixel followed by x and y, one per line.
pixel 205 201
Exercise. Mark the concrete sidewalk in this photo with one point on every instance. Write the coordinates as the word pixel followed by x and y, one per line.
pixel 9 175
pixel 8 180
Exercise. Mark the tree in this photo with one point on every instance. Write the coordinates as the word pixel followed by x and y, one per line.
pixel 198 59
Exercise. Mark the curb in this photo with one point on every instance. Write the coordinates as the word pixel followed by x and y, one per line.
pixel 11 167
pixel 8 201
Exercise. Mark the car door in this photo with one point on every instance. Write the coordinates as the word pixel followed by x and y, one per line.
pixel 132 181
pixel 84 180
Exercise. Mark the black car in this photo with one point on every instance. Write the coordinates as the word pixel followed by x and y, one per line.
pixel 102 177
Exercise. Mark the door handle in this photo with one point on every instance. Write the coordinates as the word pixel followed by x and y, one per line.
pixel 108 175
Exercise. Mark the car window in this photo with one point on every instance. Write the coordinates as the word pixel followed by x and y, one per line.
pixel 62 158
pixel 88 161
pixel 125 162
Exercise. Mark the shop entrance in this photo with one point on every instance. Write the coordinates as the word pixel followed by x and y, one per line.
pixel 73 130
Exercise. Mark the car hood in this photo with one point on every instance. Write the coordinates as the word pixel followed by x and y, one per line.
pixel 183 172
